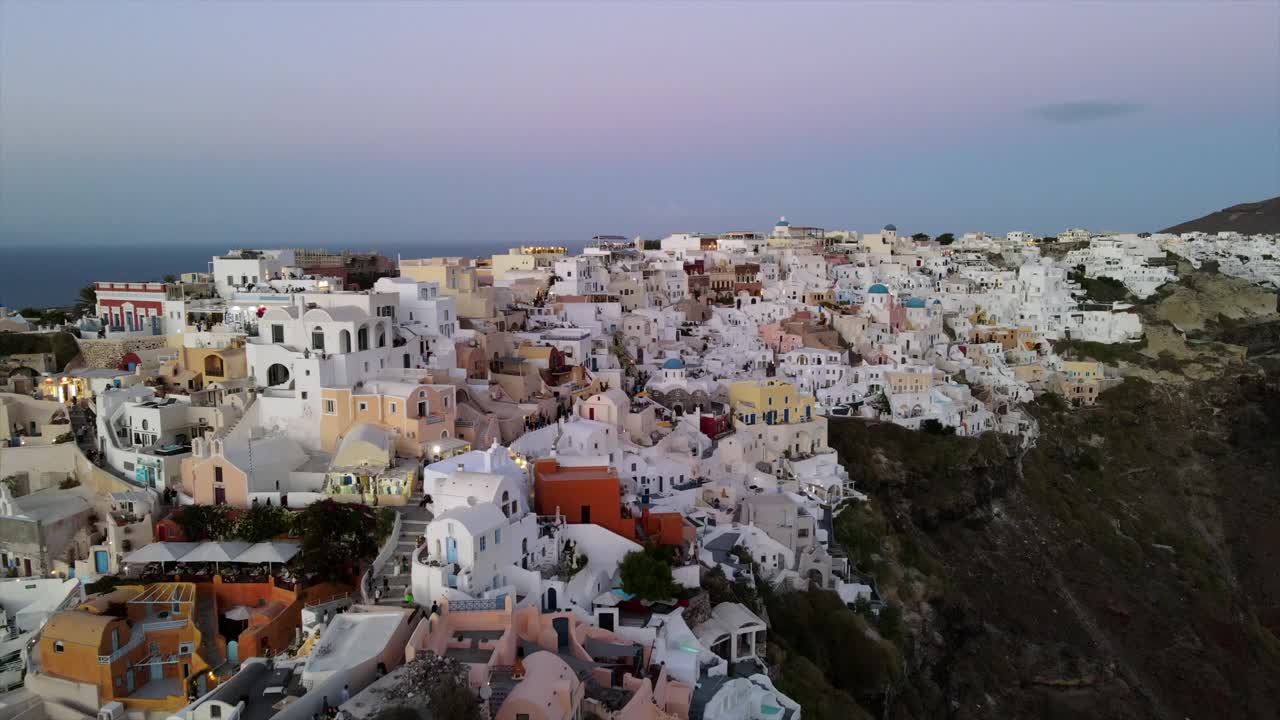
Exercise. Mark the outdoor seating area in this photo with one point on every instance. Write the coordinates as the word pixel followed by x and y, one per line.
pixel 231 561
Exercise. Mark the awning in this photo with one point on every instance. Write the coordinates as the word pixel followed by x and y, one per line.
pixel 277 551
pixel 161 552
pixel 216 552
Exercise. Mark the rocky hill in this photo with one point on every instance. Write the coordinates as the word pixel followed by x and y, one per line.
pixel 1123 567
pixel 1248 218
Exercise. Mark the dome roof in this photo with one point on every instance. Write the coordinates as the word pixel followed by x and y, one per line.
pixel 782 222
pixel 878 289
pixel 673 364
pixel 915 303
pixel 892 227
pixel 937 302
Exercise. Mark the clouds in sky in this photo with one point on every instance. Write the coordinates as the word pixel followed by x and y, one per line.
pixel 319 121
pixel 1085 111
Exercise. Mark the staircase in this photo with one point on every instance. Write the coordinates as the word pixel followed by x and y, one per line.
pixel 413 524
pixel 501 684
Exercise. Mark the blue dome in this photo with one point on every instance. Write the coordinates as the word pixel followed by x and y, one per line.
pixel 891 227
pixel 782 222
pixel 937 302
pixel 917 303
pixel 673 364
pixel 878 289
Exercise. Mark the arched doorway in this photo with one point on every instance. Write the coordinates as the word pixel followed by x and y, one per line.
pixel 213 366
pixel 277 374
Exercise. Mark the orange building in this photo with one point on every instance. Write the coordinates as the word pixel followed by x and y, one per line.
pixel 592 495
pixel 138 645
pixel 582 494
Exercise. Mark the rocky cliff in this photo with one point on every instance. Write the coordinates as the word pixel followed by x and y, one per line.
pixel 1125 566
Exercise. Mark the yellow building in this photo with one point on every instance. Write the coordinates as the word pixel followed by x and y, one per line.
pixel 1082 370
pixel 453 275
pixel 910 382
pixel 420 416
pixel 769 401
pixel 216 364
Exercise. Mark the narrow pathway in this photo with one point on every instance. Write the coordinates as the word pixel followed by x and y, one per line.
pixel 413 524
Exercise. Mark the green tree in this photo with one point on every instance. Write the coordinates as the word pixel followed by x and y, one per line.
pixel 920 237
pixel 87 300
pixel 336 538
pixel 262 522
pixel 647 577
pixel 946 239
pixel 205 522
pixel 171 279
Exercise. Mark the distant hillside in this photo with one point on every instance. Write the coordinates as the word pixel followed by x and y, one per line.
pixel 1248 218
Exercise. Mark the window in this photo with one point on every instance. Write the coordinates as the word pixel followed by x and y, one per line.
pixel 393 408
pixel 277 334
pixel 362 339
pixel 217 473
pixel 317 339
pixel 364 406
pixel 58 646
pixel 215 710
pixel 304 394
pixel 185 649
pixel 481 543
pixel 497 536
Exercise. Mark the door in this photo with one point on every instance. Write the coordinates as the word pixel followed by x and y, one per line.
pixel 100 562
pixel 26 567
pixel 561 626
pixel 128 680
pixel 606 621
pixel 219 496
pixel 552 604
pixel 157 672
pixel 586 515
pixel 451 550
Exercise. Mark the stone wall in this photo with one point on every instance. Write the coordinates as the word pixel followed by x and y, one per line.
pixel 107 353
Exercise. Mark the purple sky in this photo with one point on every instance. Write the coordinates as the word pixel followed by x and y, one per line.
pixel 333 122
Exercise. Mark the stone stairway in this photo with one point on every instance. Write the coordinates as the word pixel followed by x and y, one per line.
pixel 413 524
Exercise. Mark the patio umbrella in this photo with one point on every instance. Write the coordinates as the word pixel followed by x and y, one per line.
pixel 161 552
pixel 277 551
pixel 216 552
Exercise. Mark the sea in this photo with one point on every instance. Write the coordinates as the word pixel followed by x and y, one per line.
pixel 52 275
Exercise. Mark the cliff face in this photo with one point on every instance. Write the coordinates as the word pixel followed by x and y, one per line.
pixel 1250 218
pixel 1126 566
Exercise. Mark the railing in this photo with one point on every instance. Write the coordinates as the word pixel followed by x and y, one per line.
pixel 476 605
pixel 139 635
pixel 432 419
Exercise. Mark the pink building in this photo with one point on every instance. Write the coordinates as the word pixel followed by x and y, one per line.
pixel 775 336
pixel 549 666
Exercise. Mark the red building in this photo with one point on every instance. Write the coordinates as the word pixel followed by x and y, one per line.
pixel 132 306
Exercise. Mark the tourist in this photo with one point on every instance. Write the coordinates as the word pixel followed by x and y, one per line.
pixel 408 597
pixel 346 694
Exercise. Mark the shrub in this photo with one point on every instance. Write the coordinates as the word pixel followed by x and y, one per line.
pixel 647 577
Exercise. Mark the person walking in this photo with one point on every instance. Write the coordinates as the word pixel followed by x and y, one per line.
pixel 377 596
pixel 408 597
pixel 346 694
